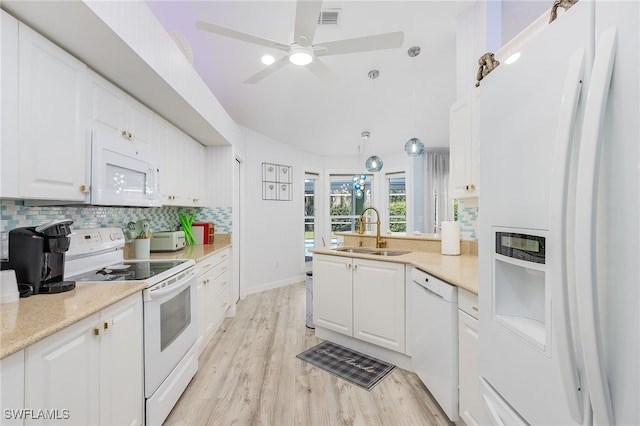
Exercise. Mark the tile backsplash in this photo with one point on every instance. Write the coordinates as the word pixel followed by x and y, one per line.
pixel 468 218
pixel 15 214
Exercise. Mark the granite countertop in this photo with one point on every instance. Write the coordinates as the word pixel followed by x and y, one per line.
pixel 31 319
pixel 461 271
pixel 196 252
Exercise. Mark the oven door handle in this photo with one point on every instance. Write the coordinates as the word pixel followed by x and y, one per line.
pixel 156 293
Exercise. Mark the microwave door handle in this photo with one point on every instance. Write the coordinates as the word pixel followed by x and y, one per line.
pixel 183 283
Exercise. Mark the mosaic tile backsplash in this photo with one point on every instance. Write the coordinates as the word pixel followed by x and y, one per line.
pixel 15 214
pixel 468 218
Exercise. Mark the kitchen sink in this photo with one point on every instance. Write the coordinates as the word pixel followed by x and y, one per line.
pixel 355 250
pixel 390 252
pixel 376 252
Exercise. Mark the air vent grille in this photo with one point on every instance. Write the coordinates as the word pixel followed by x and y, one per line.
pixel 329 17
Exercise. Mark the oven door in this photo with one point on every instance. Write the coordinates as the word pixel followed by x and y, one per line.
pixel 169 326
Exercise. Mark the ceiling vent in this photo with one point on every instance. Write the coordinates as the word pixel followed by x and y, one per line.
pixel 330 17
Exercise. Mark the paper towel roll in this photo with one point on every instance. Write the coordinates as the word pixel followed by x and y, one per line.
pixel 450 238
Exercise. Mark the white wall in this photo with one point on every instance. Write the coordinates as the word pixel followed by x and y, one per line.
pixel 273 231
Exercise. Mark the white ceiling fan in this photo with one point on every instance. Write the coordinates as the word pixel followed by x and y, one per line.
pixel 302 51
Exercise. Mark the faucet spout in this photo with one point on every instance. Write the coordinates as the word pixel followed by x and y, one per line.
pixel 363 221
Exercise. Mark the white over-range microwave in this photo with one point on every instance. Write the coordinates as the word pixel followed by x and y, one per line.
pixel 122 173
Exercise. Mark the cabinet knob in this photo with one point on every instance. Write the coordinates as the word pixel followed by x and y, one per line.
pixel 96 331
pixel 105 325
pixel 355 266
pixel 470 187
pixel 84 188
pixel 224 284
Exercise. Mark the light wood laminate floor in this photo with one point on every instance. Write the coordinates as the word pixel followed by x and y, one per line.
pixel 249 375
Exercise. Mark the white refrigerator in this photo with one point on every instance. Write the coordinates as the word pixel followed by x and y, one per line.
pixel 559 223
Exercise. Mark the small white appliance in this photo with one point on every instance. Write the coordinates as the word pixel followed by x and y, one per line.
pixel 123 173
pixel 170 355
pixel 558 244
pixel 432 337
pixel 167 241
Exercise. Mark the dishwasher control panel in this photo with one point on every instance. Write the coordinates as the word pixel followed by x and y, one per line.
pixel 435 285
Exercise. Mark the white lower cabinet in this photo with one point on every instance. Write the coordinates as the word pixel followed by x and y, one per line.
pixel 360 298
pixel 91 372
pixel 471 409
pixel 12 390
pixel 213 295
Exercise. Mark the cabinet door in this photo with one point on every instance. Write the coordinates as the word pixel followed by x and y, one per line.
pixel 378 303
pixel 107 106
pixel 139 123
pixel 471 408
pixel 332 293
pixel 205 296
pixel 192 172
pixel 9 110
pixel 122 363
pixel 12 388
pixel 53 100
pixel 62 373
pixel 463 147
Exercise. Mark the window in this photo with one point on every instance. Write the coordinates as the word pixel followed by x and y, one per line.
pixel 397 196
pixel 309 214
pixel 439 207
pixel 345 206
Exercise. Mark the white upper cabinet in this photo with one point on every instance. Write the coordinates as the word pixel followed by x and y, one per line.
pixel 182 166
pixel 44 151
pixel 463 147
pixel 113 111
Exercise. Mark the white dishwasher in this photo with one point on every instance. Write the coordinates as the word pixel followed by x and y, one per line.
pixel 432 327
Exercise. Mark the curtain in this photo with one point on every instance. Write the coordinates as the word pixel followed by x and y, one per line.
pixel 438 206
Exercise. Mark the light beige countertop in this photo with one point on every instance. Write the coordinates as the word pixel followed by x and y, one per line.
pixel 195 252
pixel 461 271
pixel 33 318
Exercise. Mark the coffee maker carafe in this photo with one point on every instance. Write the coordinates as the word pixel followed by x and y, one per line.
pixel 37 255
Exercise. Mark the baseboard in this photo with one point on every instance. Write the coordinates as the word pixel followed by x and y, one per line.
pixel 275 284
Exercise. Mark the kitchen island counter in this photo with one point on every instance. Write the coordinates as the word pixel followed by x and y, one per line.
pixel 461 271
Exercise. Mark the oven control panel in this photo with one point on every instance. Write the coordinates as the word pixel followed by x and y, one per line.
pixel 95 240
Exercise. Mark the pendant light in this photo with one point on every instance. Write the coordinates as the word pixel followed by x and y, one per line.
pixel 373 163
pixel 414 146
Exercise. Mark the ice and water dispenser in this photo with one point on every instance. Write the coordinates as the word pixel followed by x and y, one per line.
pixel 521 294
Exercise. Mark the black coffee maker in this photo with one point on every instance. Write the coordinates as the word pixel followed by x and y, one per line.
pixel 37 255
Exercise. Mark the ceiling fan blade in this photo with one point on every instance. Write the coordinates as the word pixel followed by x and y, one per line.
pixel 361 44
pixel 266 72
pixel 226 32
pixel 323 72
pixel 307 13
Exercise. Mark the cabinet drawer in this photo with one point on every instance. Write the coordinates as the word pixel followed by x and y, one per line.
pixel 468 302
pixel 221 283
pixel 220 306
pixel 219 257
pixel 214 260
pixel 220 269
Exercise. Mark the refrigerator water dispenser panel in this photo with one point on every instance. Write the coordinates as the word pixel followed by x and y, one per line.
pixel 521 293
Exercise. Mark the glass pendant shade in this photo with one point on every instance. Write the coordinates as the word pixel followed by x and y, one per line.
pixel 373 164
pixel 414 147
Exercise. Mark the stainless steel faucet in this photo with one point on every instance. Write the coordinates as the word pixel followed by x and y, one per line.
pixel 362 222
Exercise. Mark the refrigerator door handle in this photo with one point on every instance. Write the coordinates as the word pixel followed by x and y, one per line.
pixel 585 228
pixel 558 226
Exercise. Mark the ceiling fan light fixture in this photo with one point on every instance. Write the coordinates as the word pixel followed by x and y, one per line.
pixel 300 55
pixel 267 59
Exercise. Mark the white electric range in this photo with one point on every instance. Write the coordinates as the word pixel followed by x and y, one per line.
pixel 170 356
